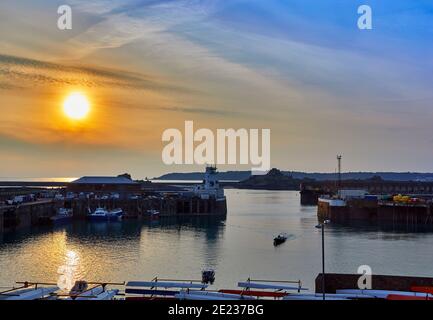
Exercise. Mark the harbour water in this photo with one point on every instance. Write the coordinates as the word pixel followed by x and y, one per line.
pixel 237 247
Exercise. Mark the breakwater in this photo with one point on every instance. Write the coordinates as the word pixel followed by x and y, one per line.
pixel 341 281
pixel 15 217
pixel 138 208
pixel 312 190
pixel 25 215
pixel 382 213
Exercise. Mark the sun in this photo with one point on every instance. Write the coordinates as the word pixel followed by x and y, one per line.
pixel 76 106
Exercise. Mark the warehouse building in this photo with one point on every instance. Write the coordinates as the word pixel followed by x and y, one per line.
pixel 104 185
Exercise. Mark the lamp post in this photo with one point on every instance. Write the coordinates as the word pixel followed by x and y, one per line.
pixel 322 226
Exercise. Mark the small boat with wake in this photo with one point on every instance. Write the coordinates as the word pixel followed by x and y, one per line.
pixel 280 239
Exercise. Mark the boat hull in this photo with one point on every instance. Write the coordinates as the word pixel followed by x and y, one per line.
pixel 255 293
pixel 104 218
pixel 29 294
pixel 278 242
pixel 61 220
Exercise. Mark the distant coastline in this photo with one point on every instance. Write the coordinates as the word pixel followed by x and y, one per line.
pixel 27 179
pixel 243 175
pixel 274 180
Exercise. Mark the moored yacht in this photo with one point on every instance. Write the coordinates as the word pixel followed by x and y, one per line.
pixel 101 214
pixel 153 214
pixel 63 216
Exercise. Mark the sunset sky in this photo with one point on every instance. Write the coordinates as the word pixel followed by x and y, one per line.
pixel 301 68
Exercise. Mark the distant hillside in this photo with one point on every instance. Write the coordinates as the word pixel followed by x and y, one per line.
pixel 273 180
pixel 393 176
pixel 228 175
pixel 243 175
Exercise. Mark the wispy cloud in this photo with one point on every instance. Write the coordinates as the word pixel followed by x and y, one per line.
pixel 9 86
pixel 35 72
pixel 300 67
pixel 205 111
pixel 125 22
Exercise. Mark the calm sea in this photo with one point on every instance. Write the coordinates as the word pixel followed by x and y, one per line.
pixel 237 247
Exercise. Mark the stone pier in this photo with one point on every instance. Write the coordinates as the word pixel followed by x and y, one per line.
pixel 26 214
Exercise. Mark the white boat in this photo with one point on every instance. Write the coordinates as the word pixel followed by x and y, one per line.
pixel 153 214
pixel 115 214
pixel 27 293
pixel 383 294
pixel 63 216
pixel 80 291
pixel 188 296
pixel 328 296
pixel 97 293
pixel 107 295
pixel 209 295
pixel 101 214
pixel 255 285
pixel 162 289
pixel 312 297
pixel 166 284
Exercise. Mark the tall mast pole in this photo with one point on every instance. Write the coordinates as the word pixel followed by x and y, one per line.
pixel 339 170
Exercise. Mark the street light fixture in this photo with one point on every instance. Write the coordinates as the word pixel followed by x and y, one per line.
pixel 322 226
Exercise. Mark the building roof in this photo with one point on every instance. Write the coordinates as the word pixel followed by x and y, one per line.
pixel 163 187
pixel 103 180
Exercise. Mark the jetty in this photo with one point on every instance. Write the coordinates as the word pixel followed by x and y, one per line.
pixel 358 207
pixel 24 215
pixel 341 281
pixel 311 191
pixel 33 204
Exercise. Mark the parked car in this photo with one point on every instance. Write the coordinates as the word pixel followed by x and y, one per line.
pixel 16 200
pixel 70 195
pixel 59 196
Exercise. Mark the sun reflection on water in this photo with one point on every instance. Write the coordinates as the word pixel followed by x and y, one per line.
pixel 69 272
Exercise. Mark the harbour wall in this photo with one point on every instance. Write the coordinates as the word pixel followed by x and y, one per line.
pixel 27 214
pixel 379 213
pixel 138 208
pixel 15 217
pixel 10 193
pixel 310 191
pixel 310 197
pixel 338 281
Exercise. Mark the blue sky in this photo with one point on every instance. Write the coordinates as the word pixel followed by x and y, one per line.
pixel 301 68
